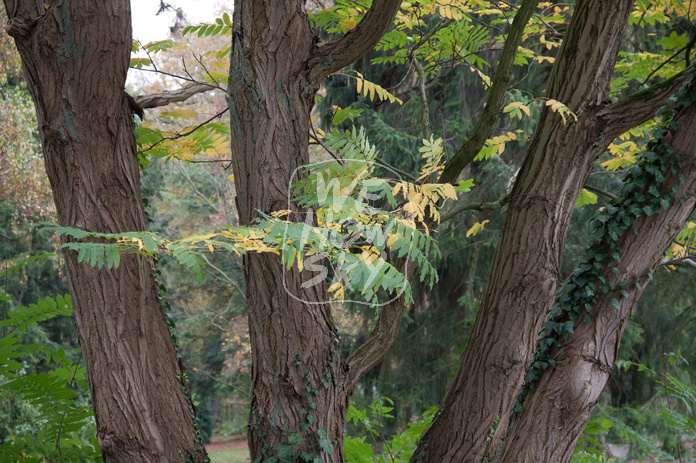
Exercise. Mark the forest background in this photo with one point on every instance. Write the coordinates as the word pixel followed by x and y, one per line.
pixel 420 91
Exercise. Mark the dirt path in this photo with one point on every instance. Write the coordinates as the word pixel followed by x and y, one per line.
pixel 226 445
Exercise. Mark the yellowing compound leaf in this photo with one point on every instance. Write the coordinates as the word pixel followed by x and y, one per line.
pixel 180 113
pixel 558 107
pixel 478 226
pixel 517 108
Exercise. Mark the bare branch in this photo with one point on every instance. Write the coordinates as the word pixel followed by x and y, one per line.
pixel 373 350
pixel 316 138
pixel 600 191
pixel 425 114
pixel 475 207
pixel 332 56
pixel 686 260
pixel 398 171
pixel 188 132
pixel 173 96
pixel 496 97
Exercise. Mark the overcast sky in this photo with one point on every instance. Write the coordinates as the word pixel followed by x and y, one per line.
pixel 148 27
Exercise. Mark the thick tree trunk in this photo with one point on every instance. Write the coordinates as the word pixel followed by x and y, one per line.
pixel 75 56
pixel 556 413
pixel 525 269
pixel 296 362
pixel 300 382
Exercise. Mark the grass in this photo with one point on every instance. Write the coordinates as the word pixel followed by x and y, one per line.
pixel 230 456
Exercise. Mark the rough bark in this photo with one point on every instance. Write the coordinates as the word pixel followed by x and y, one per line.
pixel 556 413
pixel 300 396
pixel 75 56
pixel 525 269
pixel 156 100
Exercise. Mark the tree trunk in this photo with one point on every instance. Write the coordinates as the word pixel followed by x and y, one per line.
pixel 525 270
pixel 556 413
pixel 75 56
pixel 301 384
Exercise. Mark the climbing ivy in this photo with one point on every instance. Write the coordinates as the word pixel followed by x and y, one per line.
pixel 286 451
pixel 646 193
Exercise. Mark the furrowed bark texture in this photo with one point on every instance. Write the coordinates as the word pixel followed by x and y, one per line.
pixel 556 413
pixel 75 55
pixel 297 370
pixel 525 269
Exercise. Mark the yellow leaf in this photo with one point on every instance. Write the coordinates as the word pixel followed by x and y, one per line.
pixel 210 248
pixel 613 164
pixel 517 105
pixel 449 191
pixel 334 287
pixel 478 226
pixel 181 113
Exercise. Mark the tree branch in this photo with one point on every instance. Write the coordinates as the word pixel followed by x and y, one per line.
pixel 382 337
pixel 332 56
pixel 616 118
pixel 600 191
pixel 687 260
pixel 173 96
pixel 475 207
pixel 496 97
pixel 187 133
pixel 425 114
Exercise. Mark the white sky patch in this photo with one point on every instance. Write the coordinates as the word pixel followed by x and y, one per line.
pixel 150 27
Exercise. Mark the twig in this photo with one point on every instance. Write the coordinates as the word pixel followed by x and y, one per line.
pixel 398 171
pixel 600 191
pixel 475 207
pixel 189 79
pixel 195 189
pixel 62 422
pixel 147 52
pixel 205 68
pixel 429 35
pixel 687 47
pixel 686 260
pixel 425 115
pixel 185 134
pixel 328 150
pixel 199 372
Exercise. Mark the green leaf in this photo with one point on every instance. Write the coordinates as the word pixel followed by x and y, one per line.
pixel 586 197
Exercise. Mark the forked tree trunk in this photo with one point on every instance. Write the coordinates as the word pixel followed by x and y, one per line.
pixel 524 277
pixel 556 413
pixel 301 384
pixel 75 56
